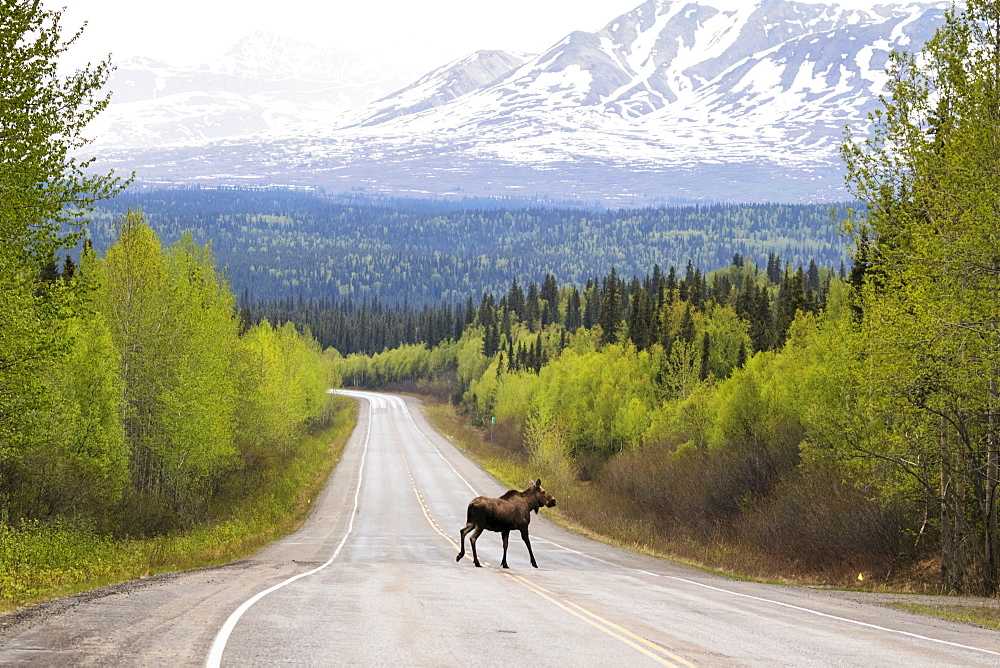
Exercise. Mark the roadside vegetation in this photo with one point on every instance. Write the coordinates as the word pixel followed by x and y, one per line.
pixel 727 451
pixel 143 426
pixel 983 615
pixel 40 560
pixel 841 430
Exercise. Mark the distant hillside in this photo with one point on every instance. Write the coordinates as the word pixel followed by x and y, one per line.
pixel 727 100
pixel 276 243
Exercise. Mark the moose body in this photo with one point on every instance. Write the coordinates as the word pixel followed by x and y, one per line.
pixel 504 514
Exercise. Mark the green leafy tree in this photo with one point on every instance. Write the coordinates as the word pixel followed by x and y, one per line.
pixel 173 324
pixel 931 296
pixel 44 189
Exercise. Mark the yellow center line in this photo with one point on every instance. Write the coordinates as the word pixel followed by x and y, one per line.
pixel 648 643
pixel 538 590
pixel 619 633
pixel 423 507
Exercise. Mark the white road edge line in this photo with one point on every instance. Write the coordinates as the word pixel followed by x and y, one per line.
pixel 593 558
pixel 829 616
pixel 419 431
pixel 699 584
pixel 219 644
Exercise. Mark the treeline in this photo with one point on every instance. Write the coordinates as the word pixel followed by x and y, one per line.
pixel 275 244
pixel 350 327
pixel 142 426
pixel 706 410
pixel 766 299
pixel 154 412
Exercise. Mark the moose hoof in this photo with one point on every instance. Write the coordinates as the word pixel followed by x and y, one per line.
pixel 459 557
pixel 478 565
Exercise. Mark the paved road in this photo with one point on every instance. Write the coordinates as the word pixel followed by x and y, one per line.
pixel 371 579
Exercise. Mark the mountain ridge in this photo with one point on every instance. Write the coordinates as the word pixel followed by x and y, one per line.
pixel 714 94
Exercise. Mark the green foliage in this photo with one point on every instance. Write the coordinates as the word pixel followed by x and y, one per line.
pixel 278 244
pixel 41 560
pixel 158 404
pixel 43 189
pixel 80 467
pixel 119 381
pixel 928 296
pixel 755 453
pixel 173 325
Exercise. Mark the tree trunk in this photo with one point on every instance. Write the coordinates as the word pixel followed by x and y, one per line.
pixel 990 518
pixel 950 578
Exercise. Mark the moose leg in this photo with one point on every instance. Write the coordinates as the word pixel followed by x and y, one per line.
pixel 466 529
pixel 505 534
pixel 524 537
pixel 472 542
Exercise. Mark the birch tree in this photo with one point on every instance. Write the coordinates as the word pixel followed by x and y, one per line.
pixel 931 295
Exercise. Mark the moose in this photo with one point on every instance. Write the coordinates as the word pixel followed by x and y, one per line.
pixel 504 514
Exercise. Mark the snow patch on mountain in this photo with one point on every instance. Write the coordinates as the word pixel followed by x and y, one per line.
pixel 443 85
pixel 728 90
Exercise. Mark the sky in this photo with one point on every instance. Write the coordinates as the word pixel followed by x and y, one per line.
pixel 422 33
pixel 425 32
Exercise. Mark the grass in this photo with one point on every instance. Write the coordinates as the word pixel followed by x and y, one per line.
pixel 618 526
pixel 982 613
pixel 41 562
pixel 597 514
pixel 613 528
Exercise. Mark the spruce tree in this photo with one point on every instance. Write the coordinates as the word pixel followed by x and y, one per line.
pixel 610 315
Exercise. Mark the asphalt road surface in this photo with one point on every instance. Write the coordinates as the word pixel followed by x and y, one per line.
pixel 371 579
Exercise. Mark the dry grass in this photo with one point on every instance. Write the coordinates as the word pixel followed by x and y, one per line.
pixel 983 613
pixel 686 518
pixel 39 562
pixel 615 523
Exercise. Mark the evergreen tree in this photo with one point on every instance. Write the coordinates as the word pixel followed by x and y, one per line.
pixel 532 309
pixel 775 270
pixel 670 286
pixel 686 331
pixel 610 315
pixel 574 319
pixel 592 306
pixel 69 268
pixel 550 290
pixel 515 300
pixel 812 278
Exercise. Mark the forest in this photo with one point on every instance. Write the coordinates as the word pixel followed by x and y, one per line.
pixel 845 430
pixel 141 423
pixel 274 243
pixel 710 382
pixel 350 327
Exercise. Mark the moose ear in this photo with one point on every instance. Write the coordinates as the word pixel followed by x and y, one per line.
pixel 538 483
pixel 531 483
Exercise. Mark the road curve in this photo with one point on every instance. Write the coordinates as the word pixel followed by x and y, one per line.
pixel 371 578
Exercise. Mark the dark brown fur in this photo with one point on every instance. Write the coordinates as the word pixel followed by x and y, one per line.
pixel 510 511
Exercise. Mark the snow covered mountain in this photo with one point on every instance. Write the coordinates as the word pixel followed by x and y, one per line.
pixel 263 84
pixel 444 84
pixel 719 99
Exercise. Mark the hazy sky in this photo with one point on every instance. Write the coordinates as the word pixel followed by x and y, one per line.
pixel 426 33
pixel 429 31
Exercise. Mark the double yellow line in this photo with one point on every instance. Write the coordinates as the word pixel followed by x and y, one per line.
pixel 637 642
